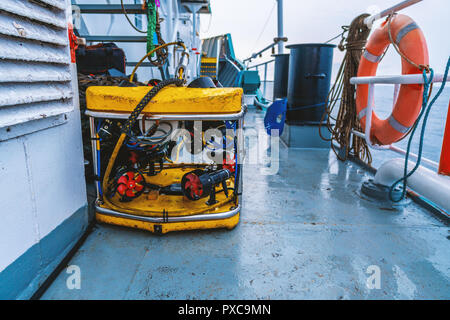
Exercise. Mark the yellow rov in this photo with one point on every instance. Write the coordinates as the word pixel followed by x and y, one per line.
pixel 140 184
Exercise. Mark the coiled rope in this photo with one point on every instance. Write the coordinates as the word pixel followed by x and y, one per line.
pixel 347 120
pixel 425 112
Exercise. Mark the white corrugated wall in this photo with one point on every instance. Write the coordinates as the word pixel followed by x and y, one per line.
pixel 41 161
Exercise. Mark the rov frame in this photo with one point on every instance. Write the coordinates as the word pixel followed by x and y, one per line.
pixel 163 224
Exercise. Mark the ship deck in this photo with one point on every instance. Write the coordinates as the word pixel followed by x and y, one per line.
pixel 305 233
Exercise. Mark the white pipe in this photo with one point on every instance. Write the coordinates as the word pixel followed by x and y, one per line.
pixel 402 79
pixel 427 183
pixel 401 151
pixel 368 127
pixel 402 5
pixel 358 134
pixel 414 156
pixel 396 92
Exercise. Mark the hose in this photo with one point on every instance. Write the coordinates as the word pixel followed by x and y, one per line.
pixel 146 140
pixel 179 43
pixel 425 113
pixel 129 21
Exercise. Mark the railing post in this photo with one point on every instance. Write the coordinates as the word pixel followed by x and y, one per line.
pixel 265 78
pixel 444 163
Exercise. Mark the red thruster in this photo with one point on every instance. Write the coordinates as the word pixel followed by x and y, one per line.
pixel 130 185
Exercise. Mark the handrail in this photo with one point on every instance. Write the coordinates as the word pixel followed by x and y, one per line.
pixel 232 63
pixel 401 151
pixel 255 55
pixel 270 46
pixel 261 64
pixel 396 80
pixel 265 72
pixel 400 6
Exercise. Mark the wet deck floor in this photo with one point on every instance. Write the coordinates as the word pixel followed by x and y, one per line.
pixel 305 233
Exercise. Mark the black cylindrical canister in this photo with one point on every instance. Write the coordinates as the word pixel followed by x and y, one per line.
pixel 310 66
pixel 281 75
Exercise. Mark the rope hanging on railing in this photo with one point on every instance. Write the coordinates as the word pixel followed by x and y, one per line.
pixel 347 120
pixel 395 45
pixel 425 113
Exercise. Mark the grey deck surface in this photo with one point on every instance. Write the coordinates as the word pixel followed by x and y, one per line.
pixel 305 233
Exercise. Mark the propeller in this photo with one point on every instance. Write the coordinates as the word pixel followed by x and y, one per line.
pixel 199 184
pixel 130 185
pixel 193 186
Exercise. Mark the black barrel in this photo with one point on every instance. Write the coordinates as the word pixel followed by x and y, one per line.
pixel 280 85
pixel 310 67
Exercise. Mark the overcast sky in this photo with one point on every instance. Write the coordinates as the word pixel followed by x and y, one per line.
pixel 318 21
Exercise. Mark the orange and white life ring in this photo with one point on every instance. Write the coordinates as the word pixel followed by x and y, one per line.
pixel 411 42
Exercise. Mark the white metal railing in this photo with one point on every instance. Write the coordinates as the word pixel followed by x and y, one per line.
pixel 265 64
pixel 397 81
pixel 402 5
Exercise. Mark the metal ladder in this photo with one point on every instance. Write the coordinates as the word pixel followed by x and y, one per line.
pixel 131 9
pixel 110 9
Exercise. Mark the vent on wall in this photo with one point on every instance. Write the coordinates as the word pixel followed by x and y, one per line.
pixel 35 72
